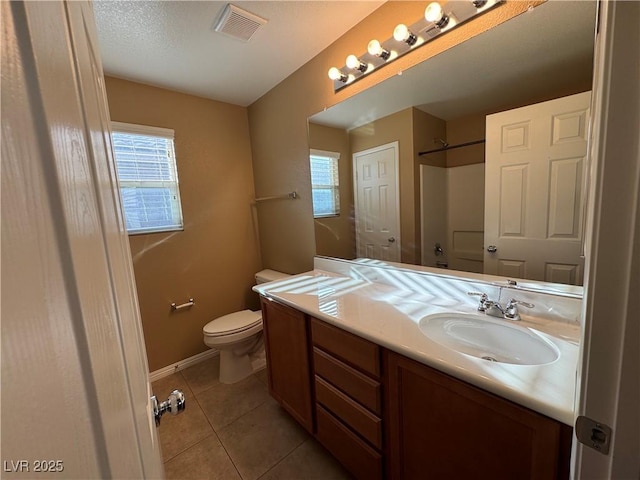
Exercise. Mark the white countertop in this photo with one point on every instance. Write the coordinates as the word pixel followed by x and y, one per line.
pixel 390 316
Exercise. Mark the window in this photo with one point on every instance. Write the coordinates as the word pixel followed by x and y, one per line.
pixel 146 168
pixel 325 183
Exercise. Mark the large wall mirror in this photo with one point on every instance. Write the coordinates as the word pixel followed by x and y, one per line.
pixel 473 160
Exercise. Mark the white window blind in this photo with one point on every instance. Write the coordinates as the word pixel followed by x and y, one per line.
pixel 148 177
pixel 325 183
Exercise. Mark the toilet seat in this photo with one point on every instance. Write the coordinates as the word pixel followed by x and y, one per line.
pixel 232 323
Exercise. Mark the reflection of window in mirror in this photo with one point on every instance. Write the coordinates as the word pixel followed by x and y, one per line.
pixel 325 183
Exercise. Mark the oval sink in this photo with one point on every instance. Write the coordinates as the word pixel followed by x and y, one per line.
pixel 491 340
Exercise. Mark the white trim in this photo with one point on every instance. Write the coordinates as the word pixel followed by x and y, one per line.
pixel 608 372
pixel 324 153
pixel 142 130
pixel 142 231
pixel 182 364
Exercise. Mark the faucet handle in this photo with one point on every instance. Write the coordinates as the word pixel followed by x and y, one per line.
pixel 484 299
pixel 514 302
pixel 511 310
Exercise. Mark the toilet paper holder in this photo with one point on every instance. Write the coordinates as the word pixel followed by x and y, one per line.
pixel 189 304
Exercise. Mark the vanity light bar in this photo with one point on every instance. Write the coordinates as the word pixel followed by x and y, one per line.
pixel 438 19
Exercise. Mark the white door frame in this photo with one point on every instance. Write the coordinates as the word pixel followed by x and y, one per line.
pixel 396 148
pixel 75 377
pixel 609 372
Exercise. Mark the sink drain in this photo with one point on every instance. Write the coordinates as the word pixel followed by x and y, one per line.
pixel 490 359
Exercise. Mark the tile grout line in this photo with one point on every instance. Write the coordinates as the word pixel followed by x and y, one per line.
pixel 276 463
pixel 238 418
pixel 193 444
pixel 235 420
pixel 284 458
pixel 214 430
pixel 164 462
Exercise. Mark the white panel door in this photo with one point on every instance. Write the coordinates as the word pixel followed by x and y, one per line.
pixel 75 385
pixel 534 189
pixel 377 203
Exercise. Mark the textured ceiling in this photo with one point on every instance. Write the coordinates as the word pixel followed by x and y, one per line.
pixel 172 44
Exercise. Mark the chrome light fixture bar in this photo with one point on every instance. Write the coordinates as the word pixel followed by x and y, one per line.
pixel 438 19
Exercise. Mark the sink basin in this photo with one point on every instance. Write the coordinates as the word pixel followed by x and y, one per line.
pixel 491 340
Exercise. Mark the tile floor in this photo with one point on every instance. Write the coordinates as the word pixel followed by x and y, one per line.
pixel 236 432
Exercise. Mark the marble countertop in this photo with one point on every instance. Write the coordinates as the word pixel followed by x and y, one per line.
pixel 390 316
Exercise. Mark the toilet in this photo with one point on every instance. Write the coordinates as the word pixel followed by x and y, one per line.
pixel 238 337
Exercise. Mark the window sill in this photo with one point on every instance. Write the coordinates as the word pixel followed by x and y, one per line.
pixel 155 230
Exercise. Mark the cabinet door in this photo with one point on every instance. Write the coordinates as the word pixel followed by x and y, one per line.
pixel 286 344
pixel 440 427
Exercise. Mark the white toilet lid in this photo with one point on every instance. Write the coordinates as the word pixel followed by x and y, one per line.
pixel 232 323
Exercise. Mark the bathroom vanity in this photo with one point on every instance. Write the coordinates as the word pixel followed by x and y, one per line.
pixel 349 360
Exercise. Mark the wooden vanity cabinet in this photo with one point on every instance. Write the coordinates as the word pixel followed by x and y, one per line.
pixel 383 415
pixel 348 395
pixel 288 360
pixel 441 427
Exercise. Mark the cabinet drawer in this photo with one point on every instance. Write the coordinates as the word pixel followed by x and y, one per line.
pixel 354 350
pixel 361 420
pixel 355 384
pixel 358 457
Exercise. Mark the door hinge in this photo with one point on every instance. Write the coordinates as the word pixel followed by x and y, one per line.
pixel 593 434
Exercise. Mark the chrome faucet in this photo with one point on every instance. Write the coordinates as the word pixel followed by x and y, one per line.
pixel 490 307
pixel 484 300
pixel 511 310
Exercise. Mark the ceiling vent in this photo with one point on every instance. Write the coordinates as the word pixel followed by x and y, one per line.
pixel 238 23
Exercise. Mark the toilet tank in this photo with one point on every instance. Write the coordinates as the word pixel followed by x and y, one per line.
pixel 264 276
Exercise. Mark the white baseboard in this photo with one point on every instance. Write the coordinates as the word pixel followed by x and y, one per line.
pixel 181 365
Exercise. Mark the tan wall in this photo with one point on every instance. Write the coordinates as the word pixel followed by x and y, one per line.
pixel 278 123
pixel 335 236
pixel 426 128
pixel 463 130
pixel 214 259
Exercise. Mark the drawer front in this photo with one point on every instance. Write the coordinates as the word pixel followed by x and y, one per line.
pixel 358 457
pixel 358 386
pixel 363 422
pixel 350 348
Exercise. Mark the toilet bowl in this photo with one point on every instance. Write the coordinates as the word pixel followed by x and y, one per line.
pixel 238 337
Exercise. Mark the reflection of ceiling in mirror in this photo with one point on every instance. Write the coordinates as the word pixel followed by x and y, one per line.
pixel 493 69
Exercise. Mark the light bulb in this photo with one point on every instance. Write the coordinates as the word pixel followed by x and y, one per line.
pixel 401 32
pixel 434 14
pixel 352 61
pixel 335 74
pixel 374 48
